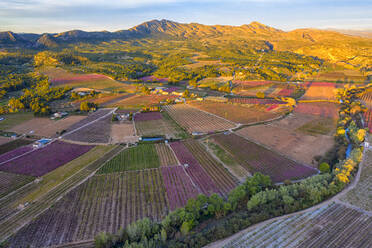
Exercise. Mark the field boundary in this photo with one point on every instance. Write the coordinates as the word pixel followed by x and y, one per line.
pixel 6 236
pixel 240 178
pixel 334 199
pixel 89 123
pixel 234 123
pixel 279 153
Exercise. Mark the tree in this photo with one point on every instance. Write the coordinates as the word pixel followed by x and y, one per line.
pixel 84 106
pixel 186 93
pixel 324 167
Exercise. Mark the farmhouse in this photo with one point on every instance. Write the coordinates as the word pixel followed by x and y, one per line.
pixel 41 142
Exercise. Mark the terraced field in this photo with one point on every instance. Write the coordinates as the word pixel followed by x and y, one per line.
pixel 329 226
pixel 103 203
pixel 194 120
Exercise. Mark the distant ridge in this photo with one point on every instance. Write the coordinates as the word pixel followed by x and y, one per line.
pixel 336 47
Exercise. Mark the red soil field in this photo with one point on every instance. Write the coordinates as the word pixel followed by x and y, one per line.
pixel 323 109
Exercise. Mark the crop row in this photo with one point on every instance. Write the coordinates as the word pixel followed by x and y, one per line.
pixel 367 99
pixel 97 132
pixel 198 175
pixel 256 158
pixel 220 175
pixel 143 156
pixel 44 160
pixel 329 226
pixel 368 120
pixel 15 153
pixel 166 155
pixel 91 117
pixel 103 203
pixel 14 144
pixel 149 116
pixel 178 185
pixel 194 120
pixel 242 100
pixel 10 182
pixel 14 222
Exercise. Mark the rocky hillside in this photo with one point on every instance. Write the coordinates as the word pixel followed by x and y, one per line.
pixel 346 50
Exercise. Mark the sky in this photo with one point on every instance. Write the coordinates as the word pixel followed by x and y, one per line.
pixel 53 16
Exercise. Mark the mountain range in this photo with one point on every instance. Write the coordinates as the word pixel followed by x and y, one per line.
pixel 326 44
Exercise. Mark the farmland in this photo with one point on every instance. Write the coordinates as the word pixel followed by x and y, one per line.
pixel 7 147
pixel 178 185
pixel 103 203
pixel 198 175
pixel 367 99
pixel 240 114
pixel 298 136
pixel 123 133
pixel 235 168
pixel 15 153
pixel 194 120
pixel 324 109
pixel 368 120
pixel 19 218
pixel 256 158
pixel 219 174
pixel 320 91
pixel 243 100
pixel 4 140
pixel 11 120
pixel 61 77
pixel 166 155
pixel 139 101
pixel 46 127
pixel 97 132
pixel 332 225
pixel 10 182
pixel 157 124
pixel 44 160
pixel 360 196
pixel 136 158
pixel 101 113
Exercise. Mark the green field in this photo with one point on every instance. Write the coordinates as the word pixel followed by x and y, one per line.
pixel 319 126
pixel 143 156
pixel 11 120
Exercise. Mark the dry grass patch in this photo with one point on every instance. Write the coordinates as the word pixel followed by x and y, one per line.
pixel 287 136
pixel 123 133
pixel 45 126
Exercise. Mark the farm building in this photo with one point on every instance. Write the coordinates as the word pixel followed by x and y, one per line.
pixel 41 142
